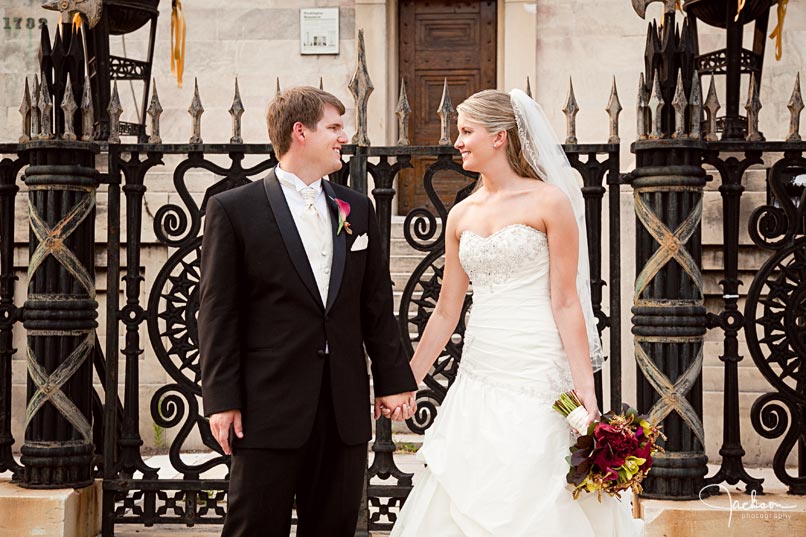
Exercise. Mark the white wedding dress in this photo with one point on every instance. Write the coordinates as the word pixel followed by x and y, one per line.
pixel 496 452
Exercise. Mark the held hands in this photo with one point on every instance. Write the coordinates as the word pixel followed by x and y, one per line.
pixel 398 407
pixel 220 424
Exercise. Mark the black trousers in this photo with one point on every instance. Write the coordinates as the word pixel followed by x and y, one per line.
pixel 325 475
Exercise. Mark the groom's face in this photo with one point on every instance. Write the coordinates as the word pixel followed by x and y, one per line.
pixel 323 144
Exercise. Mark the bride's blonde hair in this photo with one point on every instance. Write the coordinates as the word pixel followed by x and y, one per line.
pixel 493 109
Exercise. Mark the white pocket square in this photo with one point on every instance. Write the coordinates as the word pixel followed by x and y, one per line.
pixel 360 243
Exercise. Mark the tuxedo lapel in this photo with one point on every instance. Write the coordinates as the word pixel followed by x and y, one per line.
pixel 291 238
pixel 339 247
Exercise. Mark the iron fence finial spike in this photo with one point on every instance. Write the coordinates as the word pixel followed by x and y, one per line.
pixel 25 112
pixel 402 110
pixel 446 113
pixel 361 87
pixel 115 110
pixel 87 114
pixel 680 104
pixel 613 110
pixel 695 103
pixel 712 106
pixel 528 86
pixel 321 84
pixel 236 111
pixel 277 89
pixel 154 112
pixel 35 121
pixel 642 109
pixel 656 104
pixel 795 107
pixel 69 108
pixel 570 110
pixel 753 107
pixel 45 107
pixel 196 110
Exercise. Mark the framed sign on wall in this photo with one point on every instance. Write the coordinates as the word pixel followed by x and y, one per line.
pixel 319 30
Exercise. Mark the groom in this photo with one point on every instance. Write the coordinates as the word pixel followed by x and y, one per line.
pixel 293 288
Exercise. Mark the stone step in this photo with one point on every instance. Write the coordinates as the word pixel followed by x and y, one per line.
pixel 399 280
pixel 749 377
pixel 710 281
pixel 400 246
pixel 55 512
pixel 404 263
pixel 398 295
pixel 732 512
pixel 750 258
pixel 713 219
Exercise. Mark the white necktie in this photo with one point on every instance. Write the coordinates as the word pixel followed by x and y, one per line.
pixel 314 237
pixel 311 212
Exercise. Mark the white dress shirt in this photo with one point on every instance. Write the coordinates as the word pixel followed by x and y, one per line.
pixel 318 244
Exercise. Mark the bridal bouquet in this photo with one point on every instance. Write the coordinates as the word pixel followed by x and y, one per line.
pixel 614 453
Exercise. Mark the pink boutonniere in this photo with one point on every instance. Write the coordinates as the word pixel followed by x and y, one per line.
pixel 344 212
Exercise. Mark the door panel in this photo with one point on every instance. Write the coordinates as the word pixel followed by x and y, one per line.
pixel 439 40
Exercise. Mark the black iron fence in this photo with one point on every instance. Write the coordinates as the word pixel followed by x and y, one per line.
pixel 65 418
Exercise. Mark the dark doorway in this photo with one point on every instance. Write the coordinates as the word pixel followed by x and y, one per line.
pixel 441 39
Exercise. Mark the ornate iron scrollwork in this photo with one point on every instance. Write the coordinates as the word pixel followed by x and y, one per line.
pixel 171 323
pixel 172 330
pixel 174 303
pixel 775 314
pixel 422 292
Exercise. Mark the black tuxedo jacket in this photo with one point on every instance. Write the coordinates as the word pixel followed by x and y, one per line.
pixel 263 327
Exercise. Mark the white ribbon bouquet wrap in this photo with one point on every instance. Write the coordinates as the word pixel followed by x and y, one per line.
pixel 573 410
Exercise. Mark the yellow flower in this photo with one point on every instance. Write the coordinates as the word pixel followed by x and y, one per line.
pixel 630 467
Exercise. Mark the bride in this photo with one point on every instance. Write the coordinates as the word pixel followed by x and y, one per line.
pixel 496 452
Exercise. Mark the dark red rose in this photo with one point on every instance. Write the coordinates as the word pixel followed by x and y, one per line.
pixel 613 445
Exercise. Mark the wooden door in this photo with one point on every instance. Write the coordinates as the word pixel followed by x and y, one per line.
pixel 441 39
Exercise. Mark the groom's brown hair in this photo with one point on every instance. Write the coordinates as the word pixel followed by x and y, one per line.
pixel 305 104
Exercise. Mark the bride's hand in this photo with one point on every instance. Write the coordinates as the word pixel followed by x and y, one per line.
pixel 588 400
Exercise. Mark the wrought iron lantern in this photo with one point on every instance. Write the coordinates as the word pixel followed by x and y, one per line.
pixel 734 60
pixel 107 18
pixel 121 17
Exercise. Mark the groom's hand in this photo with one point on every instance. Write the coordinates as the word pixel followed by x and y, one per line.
pixel 398 407
pixel 220 425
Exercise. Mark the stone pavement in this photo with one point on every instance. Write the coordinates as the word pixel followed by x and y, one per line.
pixel 407 462
pixel 664 518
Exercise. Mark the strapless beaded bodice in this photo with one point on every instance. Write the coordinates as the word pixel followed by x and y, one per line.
pixel 516 255
pixel 511 337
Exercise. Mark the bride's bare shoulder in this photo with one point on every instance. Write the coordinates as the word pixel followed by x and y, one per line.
pixel 549 194
pixel 458 212
pixel 460 208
